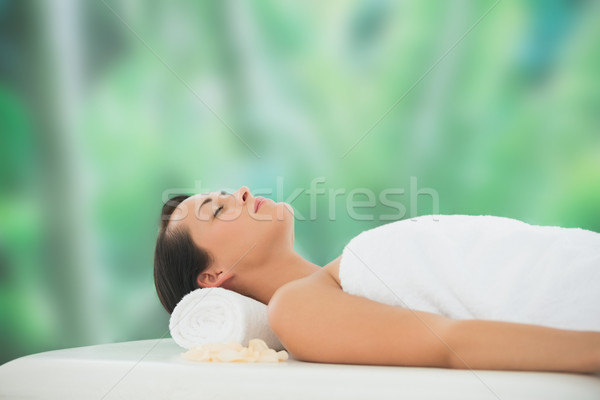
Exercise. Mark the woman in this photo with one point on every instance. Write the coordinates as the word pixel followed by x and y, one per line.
pixel 245 244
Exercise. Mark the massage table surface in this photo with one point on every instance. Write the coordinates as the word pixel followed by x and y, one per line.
pixel 154 369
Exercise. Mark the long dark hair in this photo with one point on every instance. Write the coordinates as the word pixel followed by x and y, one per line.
pixel 177 259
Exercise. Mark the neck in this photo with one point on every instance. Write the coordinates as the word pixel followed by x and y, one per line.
pixel 277 272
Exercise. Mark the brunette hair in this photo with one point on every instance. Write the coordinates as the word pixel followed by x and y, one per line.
pixel 177 259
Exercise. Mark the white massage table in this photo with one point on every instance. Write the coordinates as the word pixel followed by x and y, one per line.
pixel 154 369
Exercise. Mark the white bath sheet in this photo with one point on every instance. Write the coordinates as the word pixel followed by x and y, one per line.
pixel 479 267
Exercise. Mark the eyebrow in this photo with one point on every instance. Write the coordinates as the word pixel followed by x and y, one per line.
pixel 206 200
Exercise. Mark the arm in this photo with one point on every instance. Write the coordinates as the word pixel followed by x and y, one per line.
pixel 316 321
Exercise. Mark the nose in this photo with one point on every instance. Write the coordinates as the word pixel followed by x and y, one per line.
pixel 243 195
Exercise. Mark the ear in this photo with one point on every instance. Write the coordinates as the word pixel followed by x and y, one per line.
pixel 212 278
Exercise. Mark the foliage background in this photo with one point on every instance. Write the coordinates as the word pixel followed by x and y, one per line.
pixel 107 105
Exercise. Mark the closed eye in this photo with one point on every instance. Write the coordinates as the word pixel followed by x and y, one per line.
pixel 218 210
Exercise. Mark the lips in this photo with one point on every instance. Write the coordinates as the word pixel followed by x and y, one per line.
pixel 258 202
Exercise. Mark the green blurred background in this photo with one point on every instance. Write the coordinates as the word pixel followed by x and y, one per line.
pixel 107 107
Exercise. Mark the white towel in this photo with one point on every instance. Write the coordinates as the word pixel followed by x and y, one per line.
pixel 479 267
pixel 217 315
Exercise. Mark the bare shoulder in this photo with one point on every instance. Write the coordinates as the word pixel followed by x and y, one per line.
pixel 317 321
pixel 333 269
pixel 296 308
pixel 327 278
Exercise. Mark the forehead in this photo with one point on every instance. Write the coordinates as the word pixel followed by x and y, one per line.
pixel 188 208
pixel 195 200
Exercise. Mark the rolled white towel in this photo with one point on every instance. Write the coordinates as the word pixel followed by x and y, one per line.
pixel 217 315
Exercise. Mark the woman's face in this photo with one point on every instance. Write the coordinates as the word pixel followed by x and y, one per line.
pixel 239 230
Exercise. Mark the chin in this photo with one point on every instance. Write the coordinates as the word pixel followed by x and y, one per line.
pixel 284 212
pixel 289 208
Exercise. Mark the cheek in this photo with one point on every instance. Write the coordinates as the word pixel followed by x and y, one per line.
pixel 225 233
pixel 233 235
pixel 217 240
